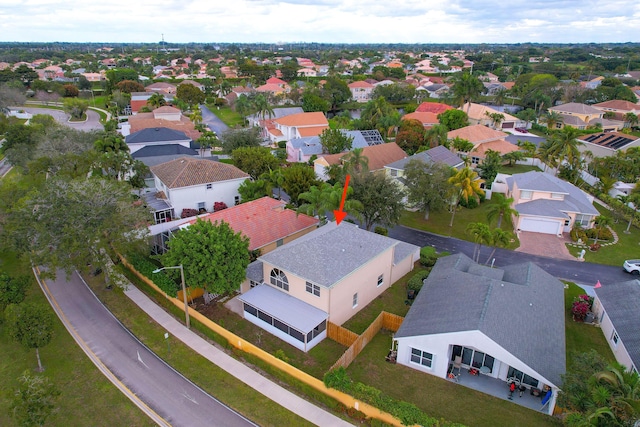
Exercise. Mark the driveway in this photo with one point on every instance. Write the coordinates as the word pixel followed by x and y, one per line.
pixel 547 245
pixel 92 122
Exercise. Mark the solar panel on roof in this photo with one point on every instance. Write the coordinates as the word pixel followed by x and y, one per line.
pixel 619 142
pixel 590 138
pixel 608 138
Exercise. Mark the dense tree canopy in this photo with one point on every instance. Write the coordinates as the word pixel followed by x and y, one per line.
pixel 238 138
pixel 427 184
pixel 453 119
pixel 254 160
pixel 335 141
pixel 381 198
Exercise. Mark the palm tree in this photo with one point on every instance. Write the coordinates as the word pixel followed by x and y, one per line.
pixel 466 87
pixel 552 118
pixel 601 222
pixel 566 145
pixel 632 119
pixel 243 106
pixel 634 200
pixel 547 153
pixel 466 184
pixel 496 119
pixel 499 238
pixel 156 100
pixel 196 115
pixel 499 207
pixel 262 107
pixel 481 234
pixel 275 179
pixel 461 145
pixel 622 388
pixel 529 149
pixel 436 136
pixel 314 199
pixel 356 162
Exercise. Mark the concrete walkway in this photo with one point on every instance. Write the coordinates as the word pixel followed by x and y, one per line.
pixel 281 396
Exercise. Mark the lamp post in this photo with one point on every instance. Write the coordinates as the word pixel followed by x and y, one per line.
pixel 184 290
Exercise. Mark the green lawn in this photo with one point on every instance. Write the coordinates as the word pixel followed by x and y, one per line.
pixel 227 115
pixel 510 170
pixel 87 398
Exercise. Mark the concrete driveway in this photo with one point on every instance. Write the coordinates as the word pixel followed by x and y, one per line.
pixel 548 245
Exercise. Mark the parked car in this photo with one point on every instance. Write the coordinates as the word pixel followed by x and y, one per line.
pixel 522 130
pixel 632 266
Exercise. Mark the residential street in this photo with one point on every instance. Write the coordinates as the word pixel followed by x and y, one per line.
pixel 165 395
pixel 92 122
pixel 575 271
pixel 211 120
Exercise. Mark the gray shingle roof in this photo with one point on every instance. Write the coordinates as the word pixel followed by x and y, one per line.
pixel 621 301
pixel 439 154
pixel 164 150
pixel 156 135
pixel 520 307
pixel 254 271
pixel 330 253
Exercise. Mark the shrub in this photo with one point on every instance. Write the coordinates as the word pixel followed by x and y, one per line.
pixel 605 234
pixel 428 256
pixel 381 230
pixel 279 354
pixel 470 203
pixel 338 379
pixel 282 144
pixel 186 213
pixel 145 267
pixel 218 206
pixel 415 283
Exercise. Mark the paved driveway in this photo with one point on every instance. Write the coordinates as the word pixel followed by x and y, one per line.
pixel 548 245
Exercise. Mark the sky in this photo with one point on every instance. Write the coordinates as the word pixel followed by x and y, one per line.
pixel 324 21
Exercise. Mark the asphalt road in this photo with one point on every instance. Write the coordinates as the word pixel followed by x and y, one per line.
pixel 211 120
pixel 579 272
pixel 92 122
pixel 4 167
pixel 146 378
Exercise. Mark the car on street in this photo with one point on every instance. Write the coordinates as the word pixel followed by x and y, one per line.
pixel 632 266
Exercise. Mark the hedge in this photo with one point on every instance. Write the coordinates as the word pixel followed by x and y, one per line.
pixel 146 267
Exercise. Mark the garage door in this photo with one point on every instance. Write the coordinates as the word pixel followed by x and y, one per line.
pixel 539 225
pixel 508 125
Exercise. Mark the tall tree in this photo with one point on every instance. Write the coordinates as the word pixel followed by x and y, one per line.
pixel 466 88
pixel 380 197
pixel 31 325
pixel 190 94
pixel 427 185
pixel 34 400
pixel 481 234
pixel 75 107
pixel 213 256
pixel 335 141
pixel 275 178
pixel 490 166
pixel 237 138
pixel 552 119
pixel 355 162
pixel 498 238
pixel 565 144
pixel 499 207
pixel 453 119
pixel 156 100
pixel 466 185
pixel 436 136
pixel 297 179
pixel 410 136
pixel 252 190
pixel 255 161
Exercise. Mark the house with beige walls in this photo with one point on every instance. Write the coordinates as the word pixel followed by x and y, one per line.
pixel 361 91
pixel 327 275
pixel 298 126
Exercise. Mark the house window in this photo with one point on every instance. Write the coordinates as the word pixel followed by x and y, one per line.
pixel 279 242
pixel 279 279
pixel 313 289
pixel 522 377
pixel 472 357
pixel 567 222
pixel 421 357
pixel 583 220
pixel 615 339
pixel 380 280
pixel 393 172
pixel 355 300
pixel 475 160
pixel 236 200
pixel 209 186
pixel 526 194
pixel 201 206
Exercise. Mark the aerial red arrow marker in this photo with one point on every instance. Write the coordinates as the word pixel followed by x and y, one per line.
pixel 339 214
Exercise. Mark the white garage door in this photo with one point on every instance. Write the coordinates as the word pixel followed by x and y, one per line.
pixel 539 225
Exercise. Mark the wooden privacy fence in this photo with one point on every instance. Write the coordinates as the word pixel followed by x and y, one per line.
pixel 239 343
pixel 384 320
pixel 341 335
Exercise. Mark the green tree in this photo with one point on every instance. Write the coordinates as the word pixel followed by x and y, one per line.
pixel 466 88
pixel 498 238
pixel 355 162
pixel 528 148
pixel 12 290
pixel 565 144
pixel 513 157
pixel 381 199
pixel 110 143
pixel 552 119
pixel 601 222
pixel 427 185
pixel 436 136
pixel 490 166
pixel 313 102
pixel 196 116
pixel 461 145
pixel 129 86
pixel 190 94
pixel 156 100
pixel 325 198
pixel 632 119
pixel 453 119
pixel 238 138
pixel 481 234
pixel 374 113
pixel 336 92
pixel 34 400
pixel 528 115
pixel 117 75
pixel 496 119
pixel 466 185
pixel 335 141
pixel 252 190
pixel 275 178
pixel 499 207
pixel 20 143
pixel 75 107
pixel 31 325
pixel 297 179
pixel 410 136
pixel 214 256
pixel 255 161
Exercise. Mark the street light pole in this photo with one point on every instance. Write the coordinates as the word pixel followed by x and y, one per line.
pixel 184 291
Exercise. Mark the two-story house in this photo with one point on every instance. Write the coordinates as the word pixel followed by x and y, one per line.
pixel 302 149
pixel 361 91
pixel 327 275
pixel 298 126
pixel 483 139
pixel 581 116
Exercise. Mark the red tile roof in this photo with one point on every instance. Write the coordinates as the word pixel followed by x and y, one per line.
pixel 377 155
pixel 189 171
pixel 433 107
pixel 263 221
pixel 426 118
pixel 303 119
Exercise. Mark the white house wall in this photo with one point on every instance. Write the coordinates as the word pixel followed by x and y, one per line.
pixel 189 197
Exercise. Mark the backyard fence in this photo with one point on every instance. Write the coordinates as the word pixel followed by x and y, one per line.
pixel 384 320
pixel 341 335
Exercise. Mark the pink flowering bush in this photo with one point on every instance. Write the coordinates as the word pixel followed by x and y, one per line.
pixel 580 307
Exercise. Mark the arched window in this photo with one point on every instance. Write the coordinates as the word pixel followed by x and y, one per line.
pixel 279 279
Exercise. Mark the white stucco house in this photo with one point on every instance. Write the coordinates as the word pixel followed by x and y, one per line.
pixel 196 183
pixel 503 322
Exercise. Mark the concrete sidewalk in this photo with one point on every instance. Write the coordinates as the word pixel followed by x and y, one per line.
pixel 281 396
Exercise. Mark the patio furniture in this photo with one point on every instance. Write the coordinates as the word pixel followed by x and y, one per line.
pixel 535 392
pixel 474 371
pixel 457 364
pixel 391 357
pixel 485 370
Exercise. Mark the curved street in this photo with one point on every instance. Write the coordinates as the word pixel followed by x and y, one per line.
pixel 156 388
pixel 580 272
pixel 92 122
pixel 211 120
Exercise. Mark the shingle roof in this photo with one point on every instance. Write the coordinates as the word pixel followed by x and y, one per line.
pixel 155 135
pixel 618 104
pixel 576 108
pixel 329 254
pixel 476 134
pixel 377 155
pixel 164 150
pixel 438 154
pixel 621 301
pixel 520 307
pixel 263 221
pixel 188 171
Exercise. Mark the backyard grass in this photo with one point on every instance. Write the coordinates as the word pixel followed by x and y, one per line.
pixel 438 222
pixel 87 397
pixel 510 170
pixel 227 115
pixel 205 374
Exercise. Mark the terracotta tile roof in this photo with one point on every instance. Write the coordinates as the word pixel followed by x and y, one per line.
pixel 378 155
pixel 270 87
pixel 618 104
pixel 433 107
pixel 501 146
pixel 479 112
pixel 303 119
pixel 311 131
pixel 263 221
pixel 508 85
pixel 360 84
pixel 275 132
pixel 477 134
pixel 276 81
pixel 426 118
pixel 167 109
pixel 188 171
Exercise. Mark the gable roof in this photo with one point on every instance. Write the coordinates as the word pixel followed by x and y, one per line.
pixel 501 146
pixel 164 150
pixel 439 154
pixel 433 107
pixel 378 155
pixel 575 200
pixel 303 119
pixel 159 134
pixel 188 171
pixel 621 301
pixel 479 112
pixel 477 134
pixel 328 254
pixel 520 307
pixel 576 108
pixel 618 104
pixel 263 221
pixel 426 118
pixel 360 84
